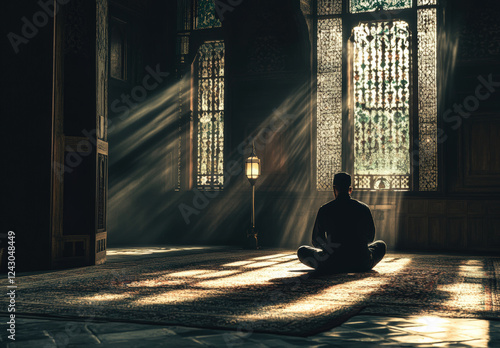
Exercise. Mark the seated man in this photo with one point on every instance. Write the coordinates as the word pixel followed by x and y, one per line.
pixel 343 234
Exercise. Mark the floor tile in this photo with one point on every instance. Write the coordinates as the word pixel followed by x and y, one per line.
pixel 360 331
pixel 135 335
pixel 414 339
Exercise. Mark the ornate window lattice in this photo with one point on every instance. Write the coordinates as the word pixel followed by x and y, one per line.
pixel 329 101
pixel 382 117
pixel 210 116
pixel 357 6
pixel 381 89
pixel 426 2
pixel 329 7
pixel 427 99
pixel 206 16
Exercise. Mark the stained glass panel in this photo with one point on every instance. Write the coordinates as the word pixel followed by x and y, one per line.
pixel 210 118
pixel 381 69
pixel 329 7
pixel 329 101
pixel 357 6
pixel 426 2
pixel 427 99
pixel 206 16
pixel 381 90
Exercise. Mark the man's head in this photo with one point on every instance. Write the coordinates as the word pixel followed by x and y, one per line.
pixel 342 183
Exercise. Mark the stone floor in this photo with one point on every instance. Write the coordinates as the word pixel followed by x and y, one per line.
pixel 359 331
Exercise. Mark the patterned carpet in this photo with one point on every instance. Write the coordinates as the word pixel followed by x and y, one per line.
pixel 262 291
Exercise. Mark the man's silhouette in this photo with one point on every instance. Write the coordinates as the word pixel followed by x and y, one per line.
pixel 343 234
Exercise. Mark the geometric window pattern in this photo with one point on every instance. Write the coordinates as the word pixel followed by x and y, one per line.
pixel 381 91
pixel 330 46
pixel 427 99
pixel 357 6
pixel 206 17
pixel 329 101
pixel 329 7
pixel 210 116
pixel 426 2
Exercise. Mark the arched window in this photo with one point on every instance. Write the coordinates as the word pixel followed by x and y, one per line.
pixel 377 93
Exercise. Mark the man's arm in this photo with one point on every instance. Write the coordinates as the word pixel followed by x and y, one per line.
pixel 371 226
pixel 318 233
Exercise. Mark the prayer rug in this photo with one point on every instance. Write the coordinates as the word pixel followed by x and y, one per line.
pixel 262 291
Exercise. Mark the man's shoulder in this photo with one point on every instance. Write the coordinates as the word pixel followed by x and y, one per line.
pixel 328 205
pixel 353 202
pixel 361 204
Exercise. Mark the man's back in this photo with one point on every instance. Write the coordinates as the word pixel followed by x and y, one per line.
pixel 343 234
pixel 347 222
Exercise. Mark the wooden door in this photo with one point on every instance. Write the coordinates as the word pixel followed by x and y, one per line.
pixel 80 151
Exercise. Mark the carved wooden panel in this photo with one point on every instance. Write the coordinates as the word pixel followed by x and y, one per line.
pixel 456 233
pixel 449 224
pixel 100 247
pixel 484 150
pixel 456 207
pixel 384 216
pixel 78 198
pixel 476 234
pixel 493 232
pixel 418 230
pixel 418 207
pixel 437 207
pixel 71 251
pixel 480 152
pixel 437 232
pixel 102 191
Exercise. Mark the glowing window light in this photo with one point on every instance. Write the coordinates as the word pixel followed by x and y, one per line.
pixel 357 6
pixel 331 46
pixel 381 75
pixel 206 15
pixel 329 102
pixel 274 256
pixel 427 96
pixel 210 118
pixel 261 264
pixel 364 288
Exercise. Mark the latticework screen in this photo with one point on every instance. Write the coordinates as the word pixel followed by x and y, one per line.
pixel 427 99
pixel 357 6
pixel 381 75
pixel 210 116
pixel 329 101
pixel 385 79
pixel 206 16
pixel 329 7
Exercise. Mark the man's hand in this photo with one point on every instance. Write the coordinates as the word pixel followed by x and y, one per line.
pixel 326 245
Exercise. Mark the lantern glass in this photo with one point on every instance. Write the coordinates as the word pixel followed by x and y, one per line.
pixel 252 167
